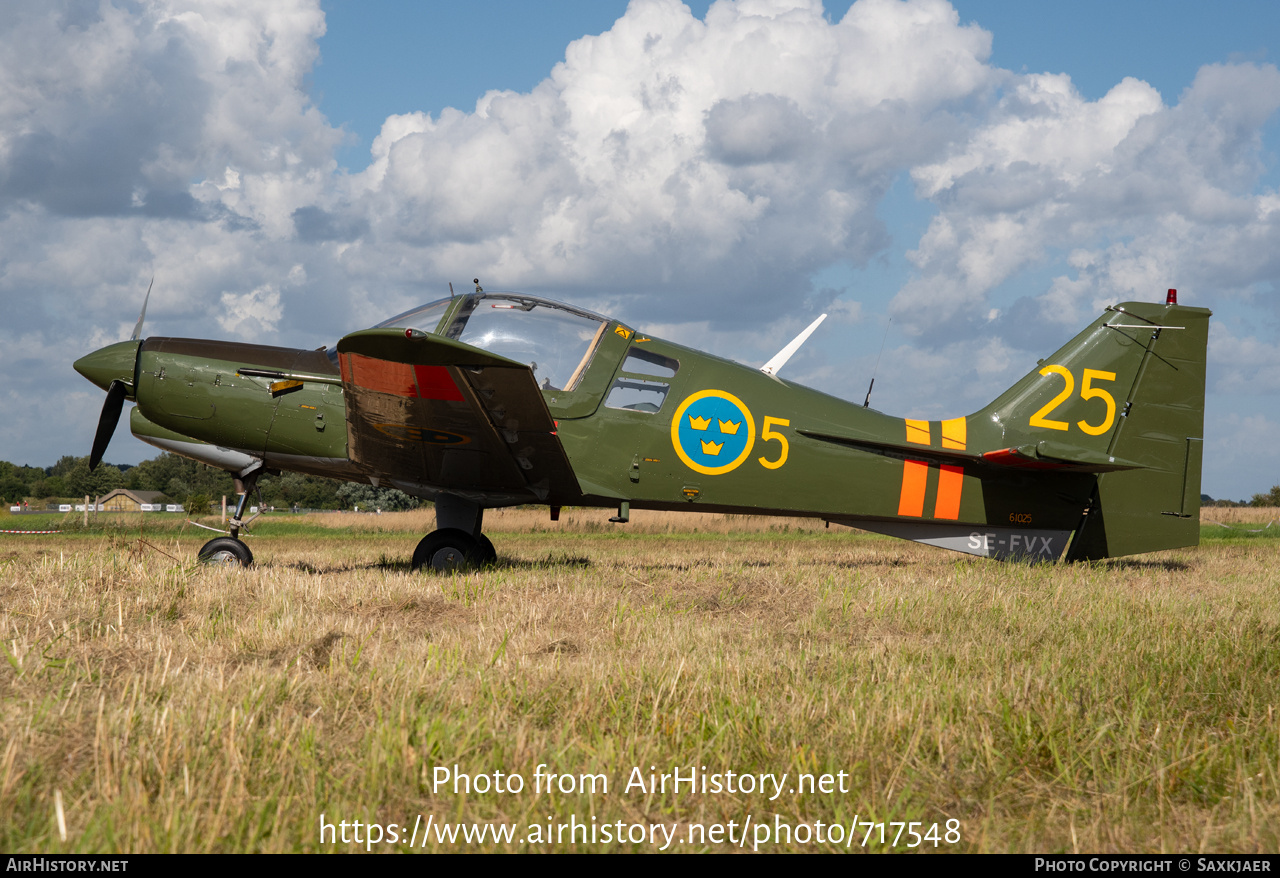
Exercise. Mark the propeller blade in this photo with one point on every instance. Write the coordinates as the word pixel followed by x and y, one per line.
pixel 107 422
pixel 137 330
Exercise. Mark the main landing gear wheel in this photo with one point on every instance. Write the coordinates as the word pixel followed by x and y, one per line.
pixel 226 552
pixel 448 549
pixel 488 552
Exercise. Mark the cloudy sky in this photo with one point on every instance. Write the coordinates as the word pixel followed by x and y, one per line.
pixel 967 184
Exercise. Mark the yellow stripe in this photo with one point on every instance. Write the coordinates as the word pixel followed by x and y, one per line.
pixel 954 434
pixel 278 387
pixel 918 432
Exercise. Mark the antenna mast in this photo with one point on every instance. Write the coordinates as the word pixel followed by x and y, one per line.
pixel 867 402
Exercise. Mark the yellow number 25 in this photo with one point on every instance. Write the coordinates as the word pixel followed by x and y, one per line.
pixel 1087 391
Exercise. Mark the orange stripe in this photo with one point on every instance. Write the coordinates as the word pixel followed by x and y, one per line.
pixel 918 432
pixel 953 433
pixel 382 376
pixel 950 484
pixel 915 473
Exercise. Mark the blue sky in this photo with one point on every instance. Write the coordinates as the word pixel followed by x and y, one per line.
pixel 965 183
pixel 380 57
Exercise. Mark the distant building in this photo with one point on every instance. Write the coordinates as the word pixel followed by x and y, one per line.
pixel 124 500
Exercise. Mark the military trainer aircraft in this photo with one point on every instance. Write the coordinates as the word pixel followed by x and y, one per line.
pixel 488 400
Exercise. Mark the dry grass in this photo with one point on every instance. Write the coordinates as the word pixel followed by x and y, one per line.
pixel 536 520
pixel 1240 514
pixel 1128 705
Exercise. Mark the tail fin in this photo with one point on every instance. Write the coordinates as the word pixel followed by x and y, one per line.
pixel 1123 399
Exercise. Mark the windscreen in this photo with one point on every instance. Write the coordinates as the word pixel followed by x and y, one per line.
pixel 424 317
pixel 556 342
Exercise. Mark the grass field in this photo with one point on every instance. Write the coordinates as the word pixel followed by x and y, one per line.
pixel 151 705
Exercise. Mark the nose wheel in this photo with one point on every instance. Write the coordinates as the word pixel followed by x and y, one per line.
pixel 225 552
pixel 229 551
pixel 449 549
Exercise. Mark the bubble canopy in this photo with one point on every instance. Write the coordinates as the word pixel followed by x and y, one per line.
pixel 556 340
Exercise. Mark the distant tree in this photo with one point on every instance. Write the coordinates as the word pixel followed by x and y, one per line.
pixel 1271 498
pixel 157 473
pixel 49 486
pixel 13 489
pixel 177 477
pixel 209 480
pixel 103 480
pixel 296 489
pixel 12 486
pixel 29 474
pixel 197 504
pixel 64 465
pixel 371 498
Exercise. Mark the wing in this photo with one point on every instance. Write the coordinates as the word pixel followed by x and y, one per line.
pixel 429 415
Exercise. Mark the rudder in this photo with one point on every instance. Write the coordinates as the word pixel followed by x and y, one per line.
pixel 1157 506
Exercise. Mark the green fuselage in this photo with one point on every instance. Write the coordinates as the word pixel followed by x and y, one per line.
pixel 1103 441
pixel 197 389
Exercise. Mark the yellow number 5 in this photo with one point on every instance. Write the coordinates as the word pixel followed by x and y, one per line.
pixel 1087 392
pixel 767 434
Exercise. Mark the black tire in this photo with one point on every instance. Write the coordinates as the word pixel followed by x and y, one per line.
pixel 226 552
pixel 446 550
pixel 489 554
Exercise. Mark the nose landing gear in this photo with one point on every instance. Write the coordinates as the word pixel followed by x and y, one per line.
pixel 230 551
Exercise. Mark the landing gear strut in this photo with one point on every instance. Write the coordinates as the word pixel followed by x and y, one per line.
pixel 230 551
pixel 458 544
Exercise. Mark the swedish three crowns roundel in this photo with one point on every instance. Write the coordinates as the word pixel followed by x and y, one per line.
pixel 713 432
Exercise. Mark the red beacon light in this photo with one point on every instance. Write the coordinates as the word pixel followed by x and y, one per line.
pixel 1171 298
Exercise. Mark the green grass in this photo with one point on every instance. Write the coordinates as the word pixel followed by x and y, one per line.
pixel 1239 531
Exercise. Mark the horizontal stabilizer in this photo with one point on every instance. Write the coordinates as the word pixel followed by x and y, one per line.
pixel 1041 456
pixel 1058 456
pixel 893 449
